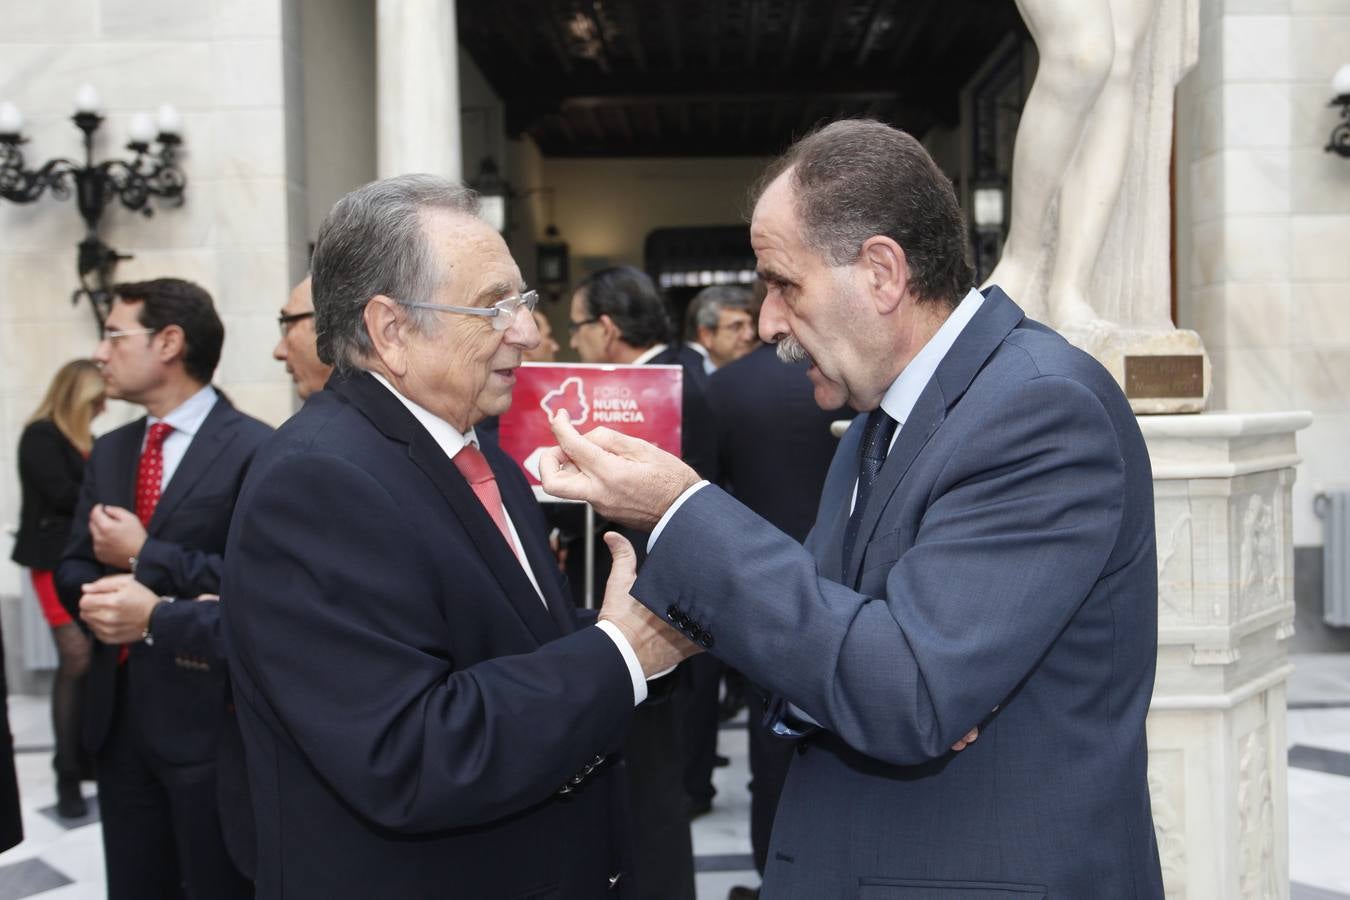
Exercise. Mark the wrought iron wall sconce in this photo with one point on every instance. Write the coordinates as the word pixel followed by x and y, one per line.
pixel 1340 135
pixel 147 174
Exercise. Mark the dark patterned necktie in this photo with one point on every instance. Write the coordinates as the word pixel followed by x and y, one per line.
pixel 876 442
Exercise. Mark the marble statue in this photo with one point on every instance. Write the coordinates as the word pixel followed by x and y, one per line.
pixel 1088 233
pixel 1089 241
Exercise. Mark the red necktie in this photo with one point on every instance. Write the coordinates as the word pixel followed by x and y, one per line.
pixel 473 465
pixel 149 481
pixel 150 474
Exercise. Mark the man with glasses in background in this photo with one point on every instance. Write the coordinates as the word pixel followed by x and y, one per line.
pixel 156 503
pixel 719 326
pixel 298 348
pixel 412 683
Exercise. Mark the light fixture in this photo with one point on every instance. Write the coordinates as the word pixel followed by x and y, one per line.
pixel 494 195
pixel 987 206
pixel 94 185
pixel 1340 135
pixel 551 262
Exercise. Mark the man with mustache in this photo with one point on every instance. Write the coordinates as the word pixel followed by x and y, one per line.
pixel 983 554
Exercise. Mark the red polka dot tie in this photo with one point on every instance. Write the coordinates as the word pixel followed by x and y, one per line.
pixel 150 475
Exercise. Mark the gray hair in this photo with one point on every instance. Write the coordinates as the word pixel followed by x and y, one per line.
pixel 373 242
pixel 709 302
pixel 857 178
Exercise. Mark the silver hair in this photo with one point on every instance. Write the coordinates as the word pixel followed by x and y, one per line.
pixel 712 300
pixel 373 242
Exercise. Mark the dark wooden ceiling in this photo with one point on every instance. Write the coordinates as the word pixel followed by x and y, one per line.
pixel 723 77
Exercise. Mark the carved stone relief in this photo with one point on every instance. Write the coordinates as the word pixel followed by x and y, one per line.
pixel 1256 822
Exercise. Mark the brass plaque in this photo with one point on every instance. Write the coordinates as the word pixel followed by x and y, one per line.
pixel 1164 376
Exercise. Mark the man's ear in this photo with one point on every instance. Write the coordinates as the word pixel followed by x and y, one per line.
pixel 886 270
pixel 172 343
pixel 610 330
pixel 388 329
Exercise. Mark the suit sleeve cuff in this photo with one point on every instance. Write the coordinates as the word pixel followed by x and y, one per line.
pixel 629 657
pixel 674 507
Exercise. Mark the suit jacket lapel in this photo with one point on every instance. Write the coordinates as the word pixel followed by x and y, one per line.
pixel 393 419
pixel 977 342
pixel 215 434
pixel 125 462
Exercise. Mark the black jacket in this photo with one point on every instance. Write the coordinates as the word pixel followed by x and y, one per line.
pixel 50 471
pixel 417 723
pixel 177 687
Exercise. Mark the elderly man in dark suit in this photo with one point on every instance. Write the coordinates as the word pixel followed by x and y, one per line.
pixel 423 713
pixel 983 555
pixel 156 502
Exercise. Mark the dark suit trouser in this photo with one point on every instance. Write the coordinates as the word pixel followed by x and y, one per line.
pixel 663 851
pixel 700 725
pixel 770 757
pixel 161 828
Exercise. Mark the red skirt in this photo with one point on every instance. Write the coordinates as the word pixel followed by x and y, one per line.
pixel 45 588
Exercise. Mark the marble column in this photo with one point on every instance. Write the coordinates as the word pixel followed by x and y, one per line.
pixel 417 104
pixel 1216 729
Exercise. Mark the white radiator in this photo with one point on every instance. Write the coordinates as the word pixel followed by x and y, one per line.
pixel 1334 509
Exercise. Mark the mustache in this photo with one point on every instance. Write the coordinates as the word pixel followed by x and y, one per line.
pixel 790 350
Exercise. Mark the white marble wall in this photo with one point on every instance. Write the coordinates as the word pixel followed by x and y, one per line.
pixel 1264 223
pixel 232 69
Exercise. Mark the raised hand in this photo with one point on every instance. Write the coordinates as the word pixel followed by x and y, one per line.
pixel 626 480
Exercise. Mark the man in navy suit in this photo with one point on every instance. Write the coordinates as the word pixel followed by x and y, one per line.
pixel 983 555
pixel 156 502
pixel 422 711
pixel 774 447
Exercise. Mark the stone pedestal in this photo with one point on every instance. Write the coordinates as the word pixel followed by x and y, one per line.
pixel 1216 730
pixel 1161 370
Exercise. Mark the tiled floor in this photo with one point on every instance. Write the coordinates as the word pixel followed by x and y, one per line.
pixel 58 862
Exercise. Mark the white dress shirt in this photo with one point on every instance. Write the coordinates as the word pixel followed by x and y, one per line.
pixel 186 419
pixel 451 441
pixel 650 353
pixel 709 366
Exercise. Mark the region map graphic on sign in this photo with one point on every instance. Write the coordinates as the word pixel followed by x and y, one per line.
pixel 642 401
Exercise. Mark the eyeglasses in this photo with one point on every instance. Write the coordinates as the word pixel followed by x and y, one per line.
pixel 114 334
pixel 742 325
pixel 501 313
pixel 286 320
pixel 574 327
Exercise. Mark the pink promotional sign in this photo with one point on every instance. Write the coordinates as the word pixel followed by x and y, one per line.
pixel 642 401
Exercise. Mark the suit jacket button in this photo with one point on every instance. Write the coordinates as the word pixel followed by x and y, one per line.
pixel 673 613
pixel 706 640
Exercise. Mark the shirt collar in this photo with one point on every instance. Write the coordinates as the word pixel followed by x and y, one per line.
pixel 446 436
pixel 905 390
pixel 648 354
pixel 188 416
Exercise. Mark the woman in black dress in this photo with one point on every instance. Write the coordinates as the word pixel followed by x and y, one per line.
pixel 52 451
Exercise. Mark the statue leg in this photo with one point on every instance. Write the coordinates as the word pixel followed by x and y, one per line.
pixel 1074 41
pixel 1093 181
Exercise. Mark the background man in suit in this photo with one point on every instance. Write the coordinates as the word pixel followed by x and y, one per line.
pixel 156 501
pixel 443 725
pixel 116 603
pixel 297 347
pixel 719 326
pixel 618 316
pixel 984 543
pixel 773 449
